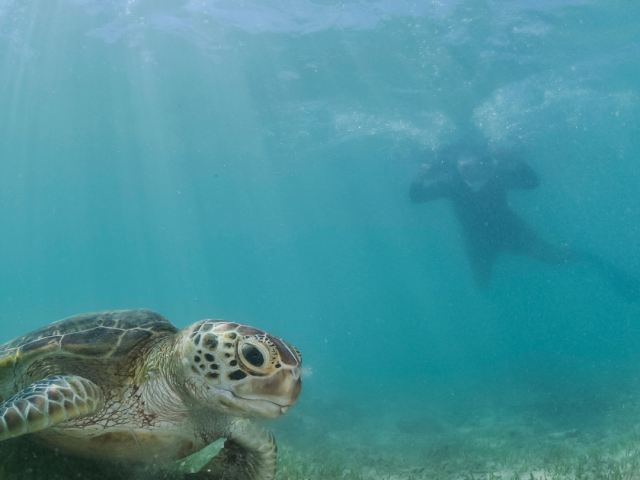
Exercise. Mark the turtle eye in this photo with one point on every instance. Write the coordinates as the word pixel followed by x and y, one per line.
pixel 252 355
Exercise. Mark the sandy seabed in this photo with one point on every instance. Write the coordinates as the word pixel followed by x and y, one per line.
pixel 339 441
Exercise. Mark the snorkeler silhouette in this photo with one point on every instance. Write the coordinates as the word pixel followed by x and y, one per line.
pixel 476 179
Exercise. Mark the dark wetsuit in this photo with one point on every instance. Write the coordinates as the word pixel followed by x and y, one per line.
pixel 489 225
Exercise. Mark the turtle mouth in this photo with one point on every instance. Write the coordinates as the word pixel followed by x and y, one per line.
pixel 265 407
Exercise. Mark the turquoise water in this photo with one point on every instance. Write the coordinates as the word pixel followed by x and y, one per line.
pixel 251 160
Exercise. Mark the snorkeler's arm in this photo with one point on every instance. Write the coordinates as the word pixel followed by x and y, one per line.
pixel 518 175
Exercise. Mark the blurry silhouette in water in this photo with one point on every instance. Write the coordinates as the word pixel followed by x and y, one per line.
pixel 476 179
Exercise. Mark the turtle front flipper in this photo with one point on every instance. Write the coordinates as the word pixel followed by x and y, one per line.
pixel 249 453
pixel 48 402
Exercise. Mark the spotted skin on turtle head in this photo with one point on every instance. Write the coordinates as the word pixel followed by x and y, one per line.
pixel 246 361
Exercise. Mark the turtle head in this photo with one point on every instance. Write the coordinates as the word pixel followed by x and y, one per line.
pixel 239 370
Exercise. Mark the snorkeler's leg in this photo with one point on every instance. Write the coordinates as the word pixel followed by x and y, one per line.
pixel 551 254
pixel 623 282
pixel 481 259
pixel 521 239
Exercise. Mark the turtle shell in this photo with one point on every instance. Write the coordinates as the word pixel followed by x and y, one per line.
pixel 107 335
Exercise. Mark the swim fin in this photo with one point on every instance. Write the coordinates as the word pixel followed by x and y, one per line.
pixel 623 282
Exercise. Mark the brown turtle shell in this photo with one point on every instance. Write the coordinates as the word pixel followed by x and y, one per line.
pixel 106 336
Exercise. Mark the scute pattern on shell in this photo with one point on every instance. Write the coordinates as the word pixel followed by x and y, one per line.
pixel 109 334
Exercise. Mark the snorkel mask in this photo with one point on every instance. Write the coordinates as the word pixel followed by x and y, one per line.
pixel 476 171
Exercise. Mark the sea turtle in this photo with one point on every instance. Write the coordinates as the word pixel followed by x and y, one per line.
pixel 128 385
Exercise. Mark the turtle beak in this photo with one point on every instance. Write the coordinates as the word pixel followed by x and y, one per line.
pixel 282 388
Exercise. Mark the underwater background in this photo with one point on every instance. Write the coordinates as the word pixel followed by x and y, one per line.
pixel 251 160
